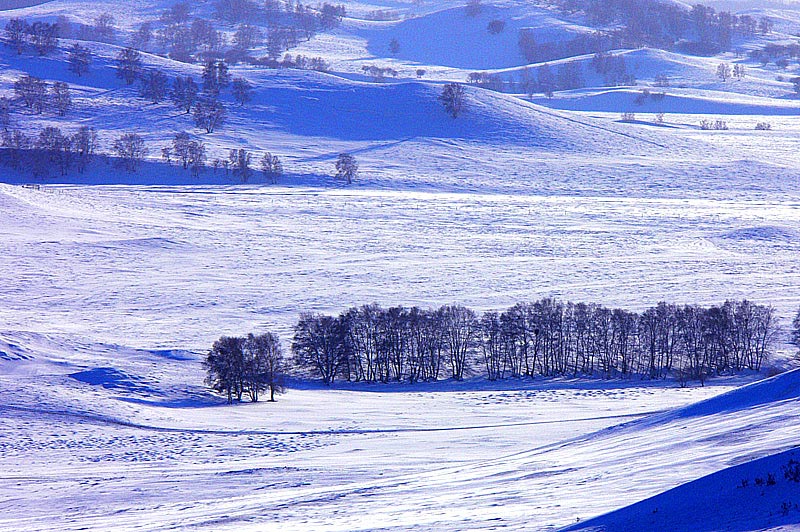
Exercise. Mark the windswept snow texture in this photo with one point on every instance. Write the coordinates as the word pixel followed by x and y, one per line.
pixel 113 285
pixel 79 454
pixel 116 438
pixel 172 268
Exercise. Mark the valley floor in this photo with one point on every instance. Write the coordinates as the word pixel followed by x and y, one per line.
pixel 98 434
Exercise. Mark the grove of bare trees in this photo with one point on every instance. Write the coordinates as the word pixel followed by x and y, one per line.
pixel 544 338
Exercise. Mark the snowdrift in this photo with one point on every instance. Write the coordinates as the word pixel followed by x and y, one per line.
pixel 752 496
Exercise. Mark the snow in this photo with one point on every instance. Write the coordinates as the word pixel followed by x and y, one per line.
pixel 114 285
pixel 137 445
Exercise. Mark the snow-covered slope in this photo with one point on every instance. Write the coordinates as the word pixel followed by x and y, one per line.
pixel 114 438
pixel 758 491
pixel 111 294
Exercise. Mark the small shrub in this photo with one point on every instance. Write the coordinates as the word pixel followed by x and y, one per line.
pixel 628 117
pixel 770 479
pixel 792 471
pixel 716 125
pixel 759 481
pixel 496 26
pixel 642 97
pixel 745 482
pixel 763 126
pixel 474 8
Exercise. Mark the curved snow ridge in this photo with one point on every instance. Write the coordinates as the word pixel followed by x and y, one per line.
pixel 731 499
pixel 463 41
pixel 319 105
pixel 780 388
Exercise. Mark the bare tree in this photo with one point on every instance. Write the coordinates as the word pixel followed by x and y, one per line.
pixel 55 150
pixel 240 162
pixel 143 36
pixel 546 80
pixel 131 151
pixel 184 93
pixel 215 77
pixel 129 65
pixel 452 97
pixel 271 167
pixel 209 114
pixel 319 345
pixel 724 71
pixel 182 46
pixel 79 59
pixel 242 91
pixel 44 37
pixel 234 10
pixel 104 27
pixel 60 97
pixel 32 91
pixel 5 113
pixel 180 148
pixel 207 38
pixel 225 366
pixel 84 145
pixel 460 328
pixel 178 14
pixel 346 167
pixel 17 34
pixel 247 37
pixel 154 86
pixel 15 144
pixel 265 366
pixel 197 157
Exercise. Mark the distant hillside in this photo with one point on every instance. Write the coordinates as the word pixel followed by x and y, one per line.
pixel 17 4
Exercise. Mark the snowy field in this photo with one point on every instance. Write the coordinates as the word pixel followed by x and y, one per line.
pixel 108 438
pixel 176 267
pixel 105 417
pixel 113 286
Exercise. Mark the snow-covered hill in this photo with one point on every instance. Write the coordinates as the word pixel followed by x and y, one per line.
pixel 115 284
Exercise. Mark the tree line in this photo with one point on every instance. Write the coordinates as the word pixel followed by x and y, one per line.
pixel 699 30
pixel 544 338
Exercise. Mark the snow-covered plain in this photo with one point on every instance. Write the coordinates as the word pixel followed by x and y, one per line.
pixel 110 294
pixel 119 438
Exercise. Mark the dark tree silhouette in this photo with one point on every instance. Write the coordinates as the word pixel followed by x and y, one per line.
pixel 209 114
pixel 452 97
pixel 60 97
pixel 129 65
pixel 346 167
pixel 32 91
pixel 264 365
pixel 242 91
pixel 130 150
pixel 184 93
pixel 79 59
pixel 17 34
